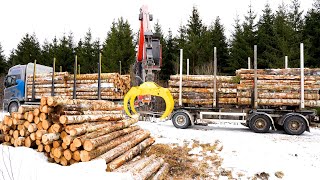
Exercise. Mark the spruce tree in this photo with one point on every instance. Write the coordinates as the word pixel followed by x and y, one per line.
pixel 169 57
pixel 65 55
pixel 3 62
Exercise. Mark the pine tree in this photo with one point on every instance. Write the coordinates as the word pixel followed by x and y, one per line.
pixel 283 35
pixel 117 47
pixel 195 35
pixel 3 62
pixel 169 58
pixel 65 55
pixel 311 35
pixel 27 50
pixel 296 22
pixel 267 53
pixel 219 40
pixel 238 54
pixel 88 56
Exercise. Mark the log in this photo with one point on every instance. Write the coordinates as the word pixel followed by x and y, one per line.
pixel 36 112
pixel 54 101
pixel 73 147
pixel 18 116
pixel 40 148
pixel 66 119
pixel 32 127
pixel 33 136
pixel 162 173
pixel 129 154
pixel 76 156
pixel 91 144
pixel 46 124
pixel 63 134
pixel 57 127
pixel 38 142
pixel 279 95
pixel 149 170
pixel 68 139
pixel 280 102
pixel 88 127
pixel 208 101
pixel 57 152
pixel 47 148
pixel 67 154
pixel 136 166
pixel 43 116
pixel 290 71
pixel 27 108
pixel 24 132
pixel 46 109
pixel 119 125
pixel 56 143
pixel 43 100
pixel 64 146
pixel 26 124
pixel 36 119
pixel 16 134
pixel 112 154
pixel 101 112
pixel 89 155
pixel 17 121
pixel 202 78
pixel 63 161
pixel 39 126
pixel 29 143
pixel 50 137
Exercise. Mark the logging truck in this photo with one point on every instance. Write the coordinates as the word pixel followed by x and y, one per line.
pixel 256 102
pixel 15 92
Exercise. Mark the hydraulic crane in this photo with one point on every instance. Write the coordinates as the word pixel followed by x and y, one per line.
pixel 148 60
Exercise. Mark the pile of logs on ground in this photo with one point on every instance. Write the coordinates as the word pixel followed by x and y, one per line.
pixel 113 85
pixel 198 89
pixel 70 131
pixel 279 87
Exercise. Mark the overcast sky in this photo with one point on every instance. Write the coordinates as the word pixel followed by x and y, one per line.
pixel 49 18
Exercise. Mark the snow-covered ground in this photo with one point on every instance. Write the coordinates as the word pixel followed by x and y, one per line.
pixel 298 157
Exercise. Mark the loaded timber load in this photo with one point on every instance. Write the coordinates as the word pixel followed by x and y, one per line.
pixel 198 89
pixel 279 87
pixel 113 85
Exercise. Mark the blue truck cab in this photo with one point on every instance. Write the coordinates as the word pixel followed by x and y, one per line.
pixel 15 92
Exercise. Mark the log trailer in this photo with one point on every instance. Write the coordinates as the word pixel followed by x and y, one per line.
pixel 259 120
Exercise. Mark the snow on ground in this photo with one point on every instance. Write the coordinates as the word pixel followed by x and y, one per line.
pixel 23 163
pixel 298 157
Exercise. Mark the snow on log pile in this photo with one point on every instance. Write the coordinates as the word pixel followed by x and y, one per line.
pixel 198 89
pixel 113 85
pixel 279 87
pixel 70 131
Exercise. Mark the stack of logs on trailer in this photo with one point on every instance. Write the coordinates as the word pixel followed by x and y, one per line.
pixel 70 131
pixel 279 87
pixel 276 87
pixel 113 85
pixel 198 89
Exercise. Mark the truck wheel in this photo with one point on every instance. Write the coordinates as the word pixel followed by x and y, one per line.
pixel 260 124
pixel 181 120
pixel 13 107
pixel 294 125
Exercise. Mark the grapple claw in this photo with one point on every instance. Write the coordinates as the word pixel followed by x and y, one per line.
pixel 149 88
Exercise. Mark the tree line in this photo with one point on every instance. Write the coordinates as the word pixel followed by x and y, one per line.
pixel 276 33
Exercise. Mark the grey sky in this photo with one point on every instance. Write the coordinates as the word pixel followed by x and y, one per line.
pixel 49 18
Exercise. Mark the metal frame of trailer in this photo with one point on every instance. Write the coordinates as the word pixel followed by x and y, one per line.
pixel 294 122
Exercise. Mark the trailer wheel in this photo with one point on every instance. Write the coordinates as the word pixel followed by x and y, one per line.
pixel 13 107
pixel 181 120
pixel 294 125
pixel 260 124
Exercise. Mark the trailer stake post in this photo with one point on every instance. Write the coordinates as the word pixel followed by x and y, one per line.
pixel 75 78
pixel 215 77
pixel 180 83
pixel 302 76
pixel 53 74
pixel 255 106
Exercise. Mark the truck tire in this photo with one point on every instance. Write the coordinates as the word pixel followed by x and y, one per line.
pixel 13 107
pixel 181 120
pixel 294 125
pixel 260 123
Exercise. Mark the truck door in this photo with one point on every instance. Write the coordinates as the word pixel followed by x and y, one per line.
pixel 13 92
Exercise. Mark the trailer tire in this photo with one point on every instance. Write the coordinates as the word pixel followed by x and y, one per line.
pixel 181 120
pixel 294 125
pixel 260 123
pixel 13 107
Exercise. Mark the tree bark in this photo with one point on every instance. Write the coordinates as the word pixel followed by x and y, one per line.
pixel 128 154
pixel 75 119
pixel 201 78
pixel 26 108
pixel 136 166
pixel 91 144
pixel 50 137
pixel 119 125
pixel 89 155
pixel 88 127
pixel 162 173
pixel 112 154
